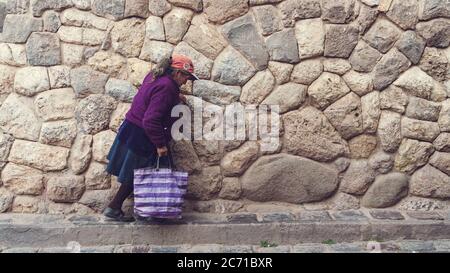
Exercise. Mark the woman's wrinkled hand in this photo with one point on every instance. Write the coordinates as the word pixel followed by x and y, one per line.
pixel 183 98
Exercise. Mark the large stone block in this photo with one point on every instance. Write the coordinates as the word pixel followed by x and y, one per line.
pixel 412 155
pixel 416 82
pixel 215 92
pixel 389 68
pixel 307 71
pixel 435 63
pixel 202 64
pixel 340 11
pixel 138 70
pixel 419 129
pixel 257 89
pixel 127 37
pixel 370 110
pixel 288 178
pixel 288 96
pixel 362 146
pixel 412 45
pixel 308 133
pixel 176 24
pixel 282 47
pixel 358 177
pixel 30 81
pixel 18 118
pixel 441 161
pixel 6 200
pixel 206 185
pixel 340 40
pixel 386 191
pixel 43 49
pixel 231 68
pixel 55 104
pixel 359 83
pixel 389 131
pixel 86 81
pixel 39 6
pixel 394 99
pixel 120 90
pixel 65 189
pixel 196 5
pixel 444 116
pixel 78 18
pixel 6 142
pixel 39 156
pixel 423 109
pixel 111 9
pixel 281 71
pixel 93 113
pixel 17 28
pixel 310 35
pixel 118 116
pixel 52 22
pixel 59 133
pixel 102 144
pixel 268 18
pixel 327 89
pixel 430 182
pixel 293 10
pixel 404 13
pixel 22 180
pixel 364 57
pixel 236 162
pixel 159 7
pixel 13 54
pixel 81 153
pixel 382 35
pixel 184 157
pixel 113 64
pixel 243 35
pixel 155 51
pixel 139 8
pixel 220 12
pixel 436 32
pixel 97 178
pixel 434 8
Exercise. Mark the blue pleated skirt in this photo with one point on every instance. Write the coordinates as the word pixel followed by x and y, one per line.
pixel 123 160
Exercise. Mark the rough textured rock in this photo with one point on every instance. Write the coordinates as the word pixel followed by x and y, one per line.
pixel 81 153
pixel 282 46
pixel 59 76
pixel 27 204
pixel 155 51
pixel 336 66
pixel 137 70
pixel 423 109
pixel 6 142
pixel 72 55
pixel 196 5
pixel 206 185
pixel 412 154
pixel 120 90
pixel 6 200
pixel 435 63
pixel 139 8
pixel 210 152
pixel 159 7
pixel 205 37
pixel 154 29
pixel 231 188
pixel 412 45
pixel 346 115
pixel 127 37
pixel 39 6
pixel 55 104
pixel 386 191
pixel 419 129
pixel 30 81
pixel 93 113
pixel 39 156
pixel 118 116
pixel 442 142
pixel 65 189
pixel 433 9
pixel 308 133
pixel 109 63
pixel 176 23
pixel 215 92
pixel 362 146
pixel 101 145
pixel 82 4
pixel 436 32
pixel 389 131
pixel 75 17
pixel 382 35
pixel 367 16
pixel 444 117
pixel 18 118
pixel 111 9
pixel 404 13
pixel 327 89
pixel 389 68
pixel 257 89
pixel 17 28
pixel 236 162
pixel 22 180
pixel 430 182
pixel 339 12
pixel 288 96
pixel 416 82
pixel 268 19
pixel 13 54
pixel 364 58
pixel 202 64
pixel 52 21
pixel 288 178
pixel 87 81
pixel 184 157
pixel 358 177
pixel 359 83
pixel 441 161
pixel 59 133
pixel 307 71
pixel 232 68
pixel 97 178
pixel 381 162
pixel 293 10
pixel 220 12
pixel 394 99
pixel 239 32
pixel 370 109
pixel 310 36
pixel 340 40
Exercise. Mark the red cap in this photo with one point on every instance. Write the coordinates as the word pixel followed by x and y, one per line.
pixel 183 63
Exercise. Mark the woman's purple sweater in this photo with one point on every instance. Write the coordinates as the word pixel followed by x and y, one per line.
pixel 152 106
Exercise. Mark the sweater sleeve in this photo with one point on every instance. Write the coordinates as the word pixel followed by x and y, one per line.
pixel 158 109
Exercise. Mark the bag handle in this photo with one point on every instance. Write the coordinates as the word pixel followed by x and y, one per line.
pixel 157 162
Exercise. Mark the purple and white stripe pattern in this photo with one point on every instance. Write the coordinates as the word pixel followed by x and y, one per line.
pixel 159 193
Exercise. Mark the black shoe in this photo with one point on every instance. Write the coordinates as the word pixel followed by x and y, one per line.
pixel 117 215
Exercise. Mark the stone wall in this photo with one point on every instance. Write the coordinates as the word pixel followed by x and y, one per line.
pixel 363 87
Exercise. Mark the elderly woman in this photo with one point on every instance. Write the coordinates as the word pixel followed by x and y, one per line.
pixel 145 133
